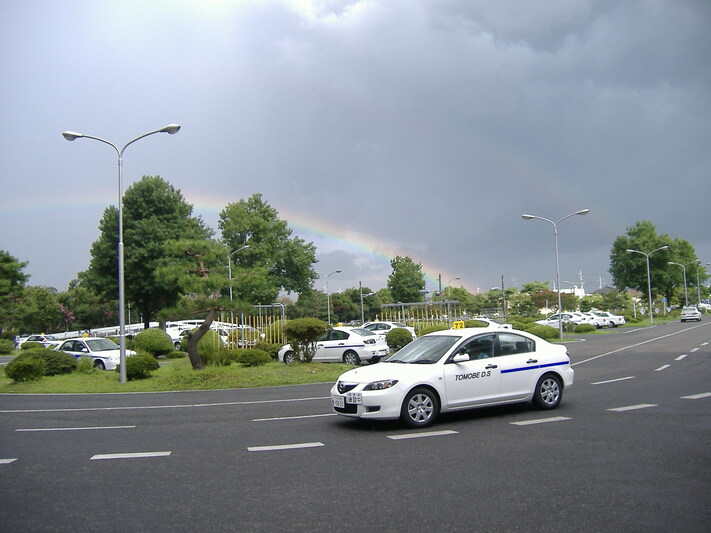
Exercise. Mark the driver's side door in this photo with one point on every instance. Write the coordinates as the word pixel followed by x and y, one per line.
pixel 472 375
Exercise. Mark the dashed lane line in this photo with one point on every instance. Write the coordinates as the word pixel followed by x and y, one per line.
pixel 291 417
pixel 74 429
pixel 422 434
pixel 683 356
pixel 7 461
pixel 663 367
pixel 280 447
pixel 633 407
pixel 138 455
pixel 540 421
pixel 697 396
pixel 612 380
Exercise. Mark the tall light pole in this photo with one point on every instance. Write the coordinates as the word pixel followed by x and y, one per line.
pixel 328 296
pixel 229 276
pixel 649 277
pixel 448 283
pixel 686 292
pixel 70 136
pixel 698 286
pixel 362 310
pixel 557 263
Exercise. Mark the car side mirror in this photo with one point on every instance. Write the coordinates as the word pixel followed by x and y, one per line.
pixel 460 357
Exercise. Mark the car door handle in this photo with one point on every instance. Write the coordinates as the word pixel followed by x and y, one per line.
pixel 530 361
pixel 491 366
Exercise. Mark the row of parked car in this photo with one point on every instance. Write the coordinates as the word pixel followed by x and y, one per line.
pixel 599 319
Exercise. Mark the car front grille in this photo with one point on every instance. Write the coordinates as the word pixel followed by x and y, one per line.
pixel 345 387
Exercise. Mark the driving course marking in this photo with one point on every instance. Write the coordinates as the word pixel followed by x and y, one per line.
pixel 76 429
pixel 540 421
pixel 611 380
pixel 285 447
pixel 291 417
pixel 681 357
pixel 423 434
pixel 7 461
pixel 697 396
pixel 139 455
pixel 633 407
pixel 663 367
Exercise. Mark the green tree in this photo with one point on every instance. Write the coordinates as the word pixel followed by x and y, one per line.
pixel 534 286
pixel 39 310
pixel 90 310
pixel 406 280
pixel 280 261
pixel 153 213
pixel 12 284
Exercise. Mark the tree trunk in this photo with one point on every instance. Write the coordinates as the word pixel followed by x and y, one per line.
pixel 193 339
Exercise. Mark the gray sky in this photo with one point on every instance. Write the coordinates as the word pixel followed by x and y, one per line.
pixel 376 128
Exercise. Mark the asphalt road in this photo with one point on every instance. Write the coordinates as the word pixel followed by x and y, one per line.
pixel 628 449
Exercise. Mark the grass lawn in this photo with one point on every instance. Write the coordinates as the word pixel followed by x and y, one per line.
pixel 177 374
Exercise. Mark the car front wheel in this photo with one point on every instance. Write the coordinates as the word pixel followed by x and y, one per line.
pixel 289 357
pixel 99 365
pixel 351 358
pixel 420 408
pixel 548 393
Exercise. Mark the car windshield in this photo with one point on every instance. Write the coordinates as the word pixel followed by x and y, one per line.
pixel 101 345
pixel 425 350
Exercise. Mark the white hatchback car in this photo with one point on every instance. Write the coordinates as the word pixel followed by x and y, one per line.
pixel 104 353
pixel 341 344
pixel 453 370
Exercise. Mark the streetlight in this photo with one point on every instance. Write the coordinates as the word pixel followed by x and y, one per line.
pixel 328 296
pixel 229 276
pixel 557 263
pixel 450 281
pixel 649 278
pixel 698 288
pixel 686 293
pixel 362 311
pixel 70 136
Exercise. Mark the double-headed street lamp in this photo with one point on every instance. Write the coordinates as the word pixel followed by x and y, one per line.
pixel 649 277
pixel 557 265
pixel 70 136
pixel 328 296
pixel 686 293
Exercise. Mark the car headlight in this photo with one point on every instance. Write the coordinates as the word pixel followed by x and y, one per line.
pixel 380 385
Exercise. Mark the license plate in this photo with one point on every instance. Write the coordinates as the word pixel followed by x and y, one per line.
pixel 354 397
pixel 338 401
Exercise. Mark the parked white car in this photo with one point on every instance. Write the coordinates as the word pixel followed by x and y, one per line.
pixel 382 327
pixel 614 320
pixel 47 341
pixel 105 353
pixel 596 320
pixel 341 344
pixel 568 316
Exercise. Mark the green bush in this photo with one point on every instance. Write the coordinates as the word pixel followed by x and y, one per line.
pixel 25 369
pixel 175 355
pixel 544 332
pixel 584 328
pixel 209 348
pixel 6 346
pixel 432 328
pixel 55 363
pixel 251 357
pixel 302 334
pixel 30 345
pixel 153 341
pixel 272 349
pixel 140 366
pixel 397 338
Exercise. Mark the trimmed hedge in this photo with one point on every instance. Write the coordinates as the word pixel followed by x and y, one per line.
pixel 397 338
pixel 251 357
pixel 6 346
pixel 153 341
pixel 584 328
pixel 25 369
pixel 55 363
pixel 140 366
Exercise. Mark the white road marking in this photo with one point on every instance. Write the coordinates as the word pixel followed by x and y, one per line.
pixel 285 447
pixel 423 434
pixel 540 421
pixel 7 461
pixel 75 429
pixel 139 455
pixel 177 406
pixel 697 396
pixel 612 380
pixel 633 407
pixel 663 367
pixel 694 350
pixel 681 357
pixel 291 417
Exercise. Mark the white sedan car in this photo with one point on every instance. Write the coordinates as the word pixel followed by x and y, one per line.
pixel 47 341
pixel 453 370
pixel 382 328
pixel 612 320
pixel 104 353
pixel 340 344
pixel 568 316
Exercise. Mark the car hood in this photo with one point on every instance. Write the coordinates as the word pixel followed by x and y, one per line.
pixel 385 370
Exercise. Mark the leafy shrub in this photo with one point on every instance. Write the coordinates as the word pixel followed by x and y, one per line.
pixel 272 349
pixel 251 357
pixel 302 334
pixel 6 346
pixel 432 328
pixel 544 332
pixel 140 366
pixel 175 355
pixel 85 365
pixel 397 338
pixel 153 341
pixel 30 345
pixel 584 328
pixel 25 369
pixel 54 362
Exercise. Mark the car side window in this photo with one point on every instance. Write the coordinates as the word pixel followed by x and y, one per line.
pixel 337 335
pixel 510 343
pixel 481 347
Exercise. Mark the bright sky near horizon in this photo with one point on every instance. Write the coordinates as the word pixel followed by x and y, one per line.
pixel 375 127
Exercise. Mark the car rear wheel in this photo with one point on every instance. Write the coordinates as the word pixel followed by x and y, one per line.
pixel 351 358
pixel 99 365
pixel 289 357
pixel 420 408
pixel 548 393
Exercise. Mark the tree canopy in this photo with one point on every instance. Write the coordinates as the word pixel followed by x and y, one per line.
pixel 406 280
pixel 12 284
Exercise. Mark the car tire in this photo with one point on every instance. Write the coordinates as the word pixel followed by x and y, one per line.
pixel 549 392
pixel 420 408
pixel 351 358
pixel 289 357
pixel 176 345
pixel 99 365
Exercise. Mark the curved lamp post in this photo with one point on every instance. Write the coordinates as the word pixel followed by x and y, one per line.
pixel 70 136
pixel 686 292
pixel 328 296
pixel 557 264
pixel 649 277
